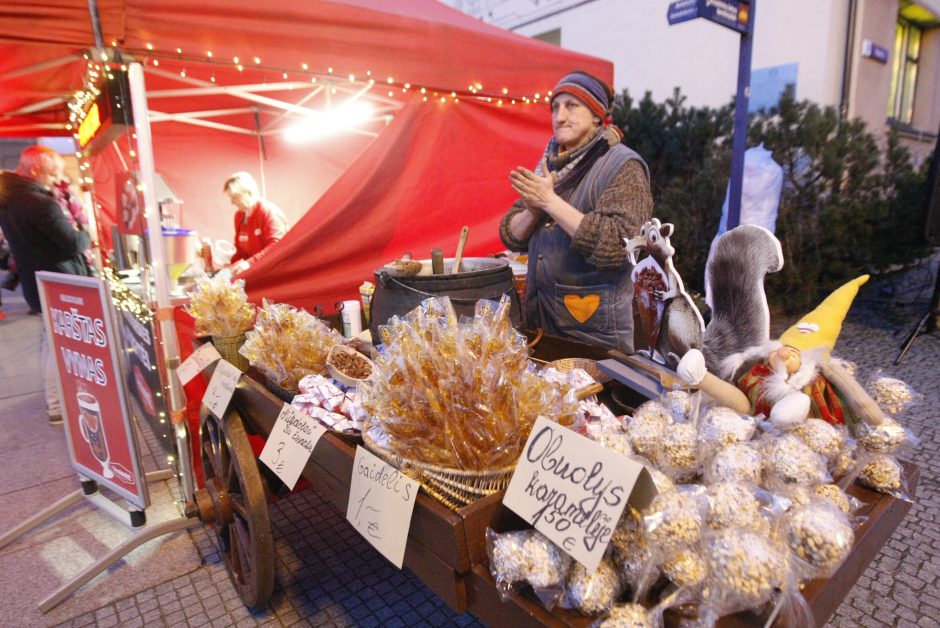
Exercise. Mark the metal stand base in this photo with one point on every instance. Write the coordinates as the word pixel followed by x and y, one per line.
pixel 145 534
pixel 927 324
pixel 134 519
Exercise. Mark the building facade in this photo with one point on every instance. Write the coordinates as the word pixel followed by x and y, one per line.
pixel 878 60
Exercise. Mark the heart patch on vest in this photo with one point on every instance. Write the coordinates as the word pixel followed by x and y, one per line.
pixel 582 308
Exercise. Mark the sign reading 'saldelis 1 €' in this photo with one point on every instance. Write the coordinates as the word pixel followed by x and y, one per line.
pixel 573 490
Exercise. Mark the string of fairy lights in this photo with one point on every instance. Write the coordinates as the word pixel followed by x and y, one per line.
pixel 123 297
pixel 101 65
pixel 208 62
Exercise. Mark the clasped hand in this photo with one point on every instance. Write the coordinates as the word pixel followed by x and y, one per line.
pixel 536 190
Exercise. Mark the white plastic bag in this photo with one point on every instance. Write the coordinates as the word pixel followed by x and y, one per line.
pixel 760 193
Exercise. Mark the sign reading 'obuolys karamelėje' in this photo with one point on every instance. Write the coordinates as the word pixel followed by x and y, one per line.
pixel 573 490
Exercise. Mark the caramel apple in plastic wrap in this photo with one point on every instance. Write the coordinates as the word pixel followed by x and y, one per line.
pixel 220 307
pixel 288 344
pixel 459 394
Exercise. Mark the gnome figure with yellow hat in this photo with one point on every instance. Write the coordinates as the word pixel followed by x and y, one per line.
pixel 792 378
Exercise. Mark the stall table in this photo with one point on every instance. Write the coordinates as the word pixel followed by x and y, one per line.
pixel 446 549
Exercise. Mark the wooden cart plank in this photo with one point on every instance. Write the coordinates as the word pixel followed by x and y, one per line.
pixel 437 575
pixel 432 524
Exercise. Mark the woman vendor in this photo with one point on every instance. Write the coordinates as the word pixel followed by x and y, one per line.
pixel 259 224
pixel 587 194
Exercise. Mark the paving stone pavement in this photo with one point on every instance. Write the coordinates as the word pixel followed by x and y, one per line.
pixel 328 576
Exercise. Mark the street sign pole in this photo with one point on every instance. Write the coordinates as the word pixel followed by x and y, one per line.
pixel 739 137
pixel 737 15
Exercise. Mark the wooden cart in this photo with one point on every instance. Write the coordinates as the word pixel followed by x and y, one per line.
pixel 445 548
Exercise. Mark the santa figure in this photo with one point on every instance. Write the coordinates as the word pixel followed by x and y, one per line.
pixel 796 378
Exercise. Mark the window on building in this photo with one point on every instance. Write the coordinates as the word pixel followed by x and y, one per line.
pixel 553 36
pixel 907 39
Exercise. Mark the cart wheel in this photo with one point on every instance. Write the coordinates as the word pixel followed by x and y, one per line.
pixel 234 503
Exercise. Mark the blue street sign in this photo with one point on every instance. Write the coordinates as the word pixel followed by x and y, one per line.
pixel 733 14
pixel 682 11
pixel 873 51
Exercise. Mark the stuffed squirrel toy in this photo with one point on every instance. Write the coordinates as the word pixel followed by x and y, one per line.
pixel 792 378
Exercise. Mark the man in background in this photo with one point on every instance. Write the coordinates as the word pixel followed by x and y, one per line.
pixel 40 238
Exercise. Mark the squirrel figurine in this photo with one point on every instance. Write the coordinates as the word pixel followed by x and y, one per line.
pixel 672 323
pixel 786 380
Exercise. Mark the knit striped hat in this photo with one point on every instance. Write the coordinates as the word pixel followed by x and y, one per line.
pixel 590 90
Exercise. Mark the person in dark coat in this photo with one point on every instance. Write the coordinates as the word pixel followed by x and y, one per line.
pixel 40 238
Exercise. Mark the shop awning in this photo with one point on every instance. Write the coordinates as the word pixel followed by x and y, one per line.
pixel 429 162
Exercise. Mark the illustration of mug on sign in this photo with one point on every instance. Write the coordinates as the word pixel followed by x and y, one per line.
pixel 92 427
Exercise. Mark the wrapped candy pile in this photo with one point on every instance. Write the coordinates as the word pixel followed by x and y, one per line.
pixel 744 516
pixel 220 307
pixel 331 403
pixel 287 344
pixel 459 394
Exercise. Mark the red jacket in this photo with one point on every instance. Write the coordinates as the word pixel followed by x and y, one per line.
pixel 264 226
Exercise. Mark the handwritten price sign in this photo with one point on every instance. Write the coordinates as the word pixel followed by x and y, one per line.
pixel 572 490
pixel 291 444
pixel 381 500
pixel 197 362
pixel 221 387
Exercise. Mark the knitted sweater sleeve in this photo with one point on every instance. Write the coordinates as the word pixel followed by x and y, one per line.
pixel 620 212
pixel 505 234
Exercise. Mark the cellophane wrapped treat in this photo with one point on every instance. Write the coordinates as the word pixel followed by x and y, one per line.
pixel 885 474
pixel 674 520
pixel 220 306
pixel 288 343
pixel 459 394
pixel 820 536
pixel 721 426
pixel 734 505
pixel 743 570
pixel 679 451
pixel 629 550
pixel 529 557
pixel 790 461
pixel 679 404
pixel 825 439
pixel 886 438
pixel 630 616
pixel 837 497
pixel 593 593
pixel 893 395
pixel 737 462
pixel 686 568
pixel 645 428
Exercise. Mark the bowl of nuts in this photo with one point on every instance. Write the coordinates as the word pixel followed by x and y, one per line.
pixel 348 366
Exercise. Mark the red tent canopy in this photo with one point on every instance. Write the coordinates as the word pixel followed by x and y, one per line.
pixel 455 102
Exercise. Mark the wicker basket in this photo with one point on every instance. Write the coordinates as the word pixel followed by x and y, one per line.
pixel 455 488
pixel 589 366
pixel 283 394
pixel 228 347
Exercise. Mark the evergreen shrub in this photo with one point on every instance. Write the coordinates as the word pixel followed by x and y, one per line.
pixel 847 206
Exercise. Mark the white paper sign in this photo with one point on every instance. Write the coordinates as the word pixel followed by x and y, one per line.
pixel 571 489
pixel 197 361
pixel 221 386
pixel 291 443
pixel 381 500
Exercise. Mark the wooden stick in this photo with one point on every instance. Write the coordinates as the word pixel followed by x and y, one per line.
pixel 460 244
